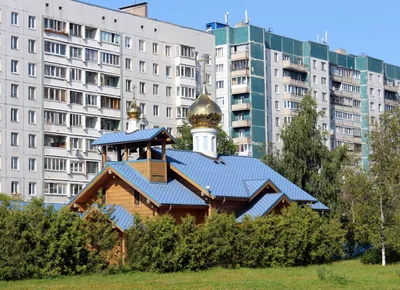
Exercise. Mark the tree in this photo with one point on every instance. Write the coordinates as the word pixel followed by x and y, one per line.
pixel 225 144
pixel 304 158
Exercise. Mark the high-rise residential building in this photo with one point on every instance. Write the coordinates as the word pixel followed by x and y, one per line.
pixel 68 71
pixel 261 78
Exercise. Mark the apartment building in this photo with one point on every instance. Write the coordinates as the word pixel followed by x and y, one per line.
pixel 261 78
pixel 68 72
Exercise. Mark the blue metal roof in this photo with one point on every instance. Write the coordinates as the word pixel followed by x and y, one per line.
pixel 170 193
pixel 121 217
pixel 124 137
pixel 232 176
pixel 261 206
pixel 319 206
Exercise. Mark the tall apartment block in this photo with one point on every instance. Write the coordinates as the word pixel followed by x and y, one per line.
pixel 261 78
pixel 68 71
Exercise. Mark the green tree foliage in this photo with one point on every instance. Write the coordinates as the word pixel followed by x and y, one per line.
pixel 304 158
pixel 372 198
pixel 225 144
pixel 297 237
pixel 37 241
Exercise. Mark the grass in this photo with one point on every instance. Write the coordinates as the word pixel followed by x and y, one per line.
pixel 340 275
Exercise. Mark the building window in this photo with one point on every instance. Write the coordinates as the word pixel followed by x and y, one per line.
pixel 91 55
pixel 14 42
pixel 219 68
pixel 109 37
pixel 169 112
pixel 219 51
pixel 75 52
pixel 31 46
pixel 314 64
pixel 76 188
pixel 142 88
pixel 55 118
pixel 277 121
pixel 128 42
pixel 14 91
pixel 128 63
pixel 276 89
pixel 32 164
pixel 14 163
pixel 371 91
pixel 276 72
pixel 14 18
pixel 75 75
pixel 32 22
pixel 156 111
pixel 75 30
pixel 14 115
pixel 168 91
pixel 31 69
pixel 372 106
pixel 109 58
pixel 110 103
pixel 276 57
pixel 55 48
pixel 314 77
pixel 168 50
pixel 77 166
pixel 155 48
pixel 32 141
pixel 55 188
pixel 276 105
pixel 187 51
pixel 76 97
pixel 32 188
pixel 323 81
pixel 14 187
pixel 155 69
pixel 142 66
pixel 168 71
pixel 32 93
pixel 55 71
pixel 220 84
pixel 53 94
pixel 128 85
pixel 142 45
pixel 324 97
pixel 379 93
pixel 89 145
pixel 371 77
pixel 323 66
pixel 91 100
pixel 75 120
pixel 14 66
pixel 14 139
pixel 32 117
pixel 155 90
pixel 92 167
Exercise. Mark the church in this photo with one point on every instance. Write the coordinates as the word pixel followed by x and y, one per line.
pixel 177 182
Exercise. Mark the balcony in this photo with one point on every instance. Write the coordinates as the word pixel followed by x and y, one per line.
pixel 241 140
pixel 391 88
pixel 241 123
pixel 240 72
pixel 338 93
pixel 239 55
pixel 287 64
pixel 55 145
pixel 292 97
pixel 240 89
pixel 241 107
pixel 341 79
pixel 293 82
pixel 391 102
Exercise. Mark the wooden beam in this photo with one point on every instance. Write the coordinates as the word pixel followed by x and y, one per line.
pixel 148 150
pixel 266 185
pixel 103 156
pixel 126 153
pixel 119 156
pixel 164 152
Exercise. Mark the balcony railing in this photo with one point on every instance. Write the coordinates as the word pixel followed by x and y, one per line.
pixel 241 107
pixel 239 55
pixel 241 123
pixel 240 89
pixel 235 72
pixel 294 82
pixel 341 79
pixel 391 88
pixel 287 64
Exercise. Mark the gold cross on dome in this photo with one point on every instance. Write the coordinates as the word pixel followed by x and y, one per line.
pixel 205 60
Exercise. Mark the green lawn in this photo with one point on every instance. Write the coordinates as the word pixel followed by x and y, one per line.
pixel 349 274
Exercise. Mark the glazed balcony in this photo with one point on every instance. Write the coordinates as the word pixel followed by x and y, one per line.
pixel 241 140
pixel 239 55
pixel 240 89
pixel 287 64
pixel 341 79
pixel 237 72
pixel 294 82
pixel 241 123
pixel 391 88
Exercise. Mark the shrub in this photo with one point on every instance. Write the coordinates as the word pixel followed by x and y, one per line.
pixel 374 256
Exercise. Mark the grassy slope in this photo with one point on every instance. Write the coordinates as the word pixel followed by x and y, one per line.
pixel 349 274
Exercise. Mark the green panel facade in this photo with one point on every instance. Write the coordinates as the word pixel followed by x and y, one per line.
pixel 256 34
pixel 257 67
pixel 258 101
pixel 259 140
pixel 273 41
pixel 240 35
pixel 343 60
pixel 361 63
pixel 245 114
pixel 318 50
pixel 257 50
pixel 375 65
pixel 257 85
pixel 258 118
pixel 220 36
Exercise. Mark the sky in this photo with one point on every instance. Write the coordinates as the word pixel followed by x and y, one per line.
pixel 359 26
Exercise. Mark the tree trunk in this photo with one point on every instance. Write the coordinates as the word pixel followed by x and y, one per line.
pixel 382 232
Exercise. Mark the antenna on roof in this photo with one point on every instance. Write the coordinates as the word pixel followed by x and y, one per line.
pixel 246 16
pixel 325 38
pixel 270 29
pixel 226 18
pixel 317 38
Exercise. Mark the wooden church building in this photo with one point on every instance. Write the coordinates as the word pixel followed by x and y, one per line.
pixel 176 182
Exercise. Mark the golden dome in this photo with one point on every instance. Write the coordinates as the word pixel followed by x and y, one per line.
pixel 133 111
pixel 204 112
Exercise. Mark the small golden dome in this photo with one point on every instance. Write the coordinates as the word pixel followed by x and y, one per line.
pixel 204 112
pixel 133 111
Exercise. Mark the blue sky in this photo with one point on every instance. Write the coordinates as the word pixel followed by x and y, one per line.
pixel 359 26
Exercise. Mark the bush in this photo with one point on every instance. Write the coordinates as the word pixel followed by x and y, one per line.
pixel 298 236
pixel 374 256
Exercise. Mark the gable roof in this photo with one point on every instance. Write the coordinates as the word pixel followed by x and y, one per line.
pixel 260 207
pixel 120 216
pixel 137 136
pixel 319 206
pixel 170 193
pixel 231 176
